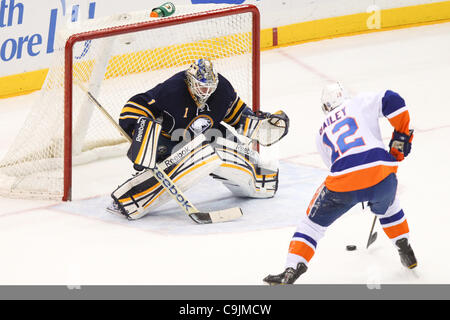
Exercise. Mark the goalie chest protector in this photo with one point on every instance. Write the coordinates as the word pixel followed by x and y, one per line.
pixel 172 101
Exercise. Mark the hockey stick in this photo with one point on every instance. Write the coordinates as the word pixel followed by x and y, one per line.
pixel 372 236
pixel 167 183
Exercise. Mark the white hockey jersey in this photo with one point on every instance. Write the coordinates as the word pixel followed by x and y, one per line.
pixel 350 143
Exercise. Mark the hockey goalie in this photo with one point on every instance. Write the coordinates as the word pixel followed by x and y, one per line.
pixel 195 125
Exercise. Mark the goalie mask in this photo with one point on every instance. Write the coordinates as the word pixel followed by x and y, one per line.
pixel 202 79
pixel 333 95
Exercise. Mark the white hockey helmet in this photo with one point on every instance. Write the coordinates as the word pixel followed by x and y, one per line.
pixel 333 95
pixel 202 79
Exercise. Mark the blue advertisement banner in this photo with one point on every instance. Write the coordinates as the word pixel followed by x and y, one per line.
pixel 12 14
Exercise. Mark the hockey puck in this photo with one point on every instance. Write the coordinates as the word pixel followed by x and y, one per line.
pixel 351 247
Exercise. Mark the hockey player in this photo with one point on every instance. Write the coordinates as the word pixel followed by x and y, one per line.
pixel 183 124
pixel 361 169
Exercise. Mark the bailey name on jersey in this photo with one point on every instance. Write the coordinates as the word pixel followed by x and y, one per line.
pixel 333 119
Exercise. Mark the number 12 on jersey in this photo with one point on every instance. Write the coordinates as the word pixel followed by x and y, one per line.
pixel 343 146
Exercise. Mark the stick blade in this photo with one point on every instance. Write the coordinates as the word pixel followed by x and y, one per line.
pixel 226 215
pixel 217 216
pixel 372 239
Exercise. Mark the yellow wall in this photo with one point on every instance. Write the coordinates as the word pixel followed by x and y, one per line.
pixel 357 23
pixel 22 83
pixel 287 35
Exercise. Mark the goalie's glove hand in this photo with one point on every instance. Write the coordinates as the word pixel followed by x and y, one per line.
pixel 279 119
pixel 400 144
pixel 269 129
pixel 261 114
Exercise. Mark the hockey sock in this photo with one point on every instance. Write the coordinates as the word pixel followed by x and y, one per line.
pixel 395 226
pixel 304 243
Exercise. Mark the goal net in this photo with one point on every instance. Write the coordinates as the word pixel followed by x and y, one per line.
pixel 115 58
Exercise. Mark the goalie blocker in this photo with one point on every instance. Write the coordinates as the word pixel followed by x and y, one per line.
pixel 143 149
pixel 235 165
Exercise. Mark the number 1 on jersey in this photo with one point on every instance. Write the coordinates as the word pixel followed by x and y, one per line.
pixel 342 145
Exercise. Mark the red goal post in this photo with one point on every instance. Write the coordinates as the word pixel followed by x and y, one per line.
pixel 144 26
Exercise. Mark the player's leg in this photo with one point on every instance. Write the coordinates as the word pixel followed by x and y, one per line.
pixel 186 166
pixel 325 208
pixel 242 170
pixel 386 205
pixel 159 152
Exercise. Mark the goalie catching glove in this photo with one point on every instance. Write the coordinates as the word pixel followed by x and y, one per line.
pixel 400 144
pixel 266 128
pixel 143 148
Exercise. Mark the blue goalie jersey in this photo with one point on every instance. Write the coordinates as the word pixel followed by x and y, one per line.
pixel 172 103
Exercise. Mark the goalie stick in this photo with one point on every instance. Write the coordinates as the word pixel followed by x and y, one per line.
pixel 171 188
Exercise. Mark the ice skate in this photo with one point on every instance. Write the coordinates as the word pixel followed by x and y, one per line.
pixel 115 209
pixel 288 276
pixel 406 253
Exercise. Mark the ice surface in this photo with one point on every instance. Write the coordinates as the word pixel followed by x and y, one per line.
pixel 297 184
pixel 44 242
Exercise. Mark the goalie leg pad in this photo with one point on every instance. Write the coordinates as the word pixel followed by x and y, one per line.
pixel 241 173
pixel 142 193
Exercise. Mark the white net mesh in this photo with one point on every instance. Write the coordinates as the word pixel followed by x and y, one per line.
pixel 114 68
